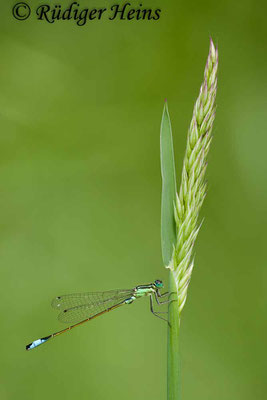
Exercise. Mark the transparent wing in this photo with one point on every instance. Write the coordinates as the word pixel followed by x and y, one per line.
pixel 79 299
pixel 78 306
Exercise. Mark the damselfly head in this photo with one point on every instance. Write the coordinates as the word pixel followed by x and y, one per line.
pixel 158 284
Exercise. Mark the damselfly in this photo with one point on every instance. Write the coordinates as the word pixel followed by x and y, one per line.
pixel 78 308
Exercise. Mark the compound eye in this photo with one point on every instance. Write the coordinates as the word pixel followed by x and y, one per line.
pixel 158 283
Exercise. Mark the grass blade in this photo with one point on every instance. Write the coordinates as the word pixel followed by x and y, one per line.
pixel 168 228
pixel 168 241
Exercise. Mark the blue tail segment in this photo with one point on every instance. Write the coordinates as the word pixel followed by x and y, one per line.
pixel 37 342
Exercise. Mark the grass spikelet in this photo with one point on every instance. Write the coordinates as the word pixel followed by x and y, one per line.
pixel 193 187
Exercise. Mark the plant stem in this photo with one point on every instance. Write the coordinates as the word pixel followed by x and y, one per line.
pixel 173 367
pixel 186 211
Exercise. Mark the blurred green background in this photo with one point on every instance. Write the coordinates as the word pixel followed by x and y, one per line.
pixel 80 112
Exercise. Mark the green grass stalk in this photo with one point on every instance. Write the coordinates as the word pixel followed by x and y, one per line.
pixel 187 205
pixel 173 355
